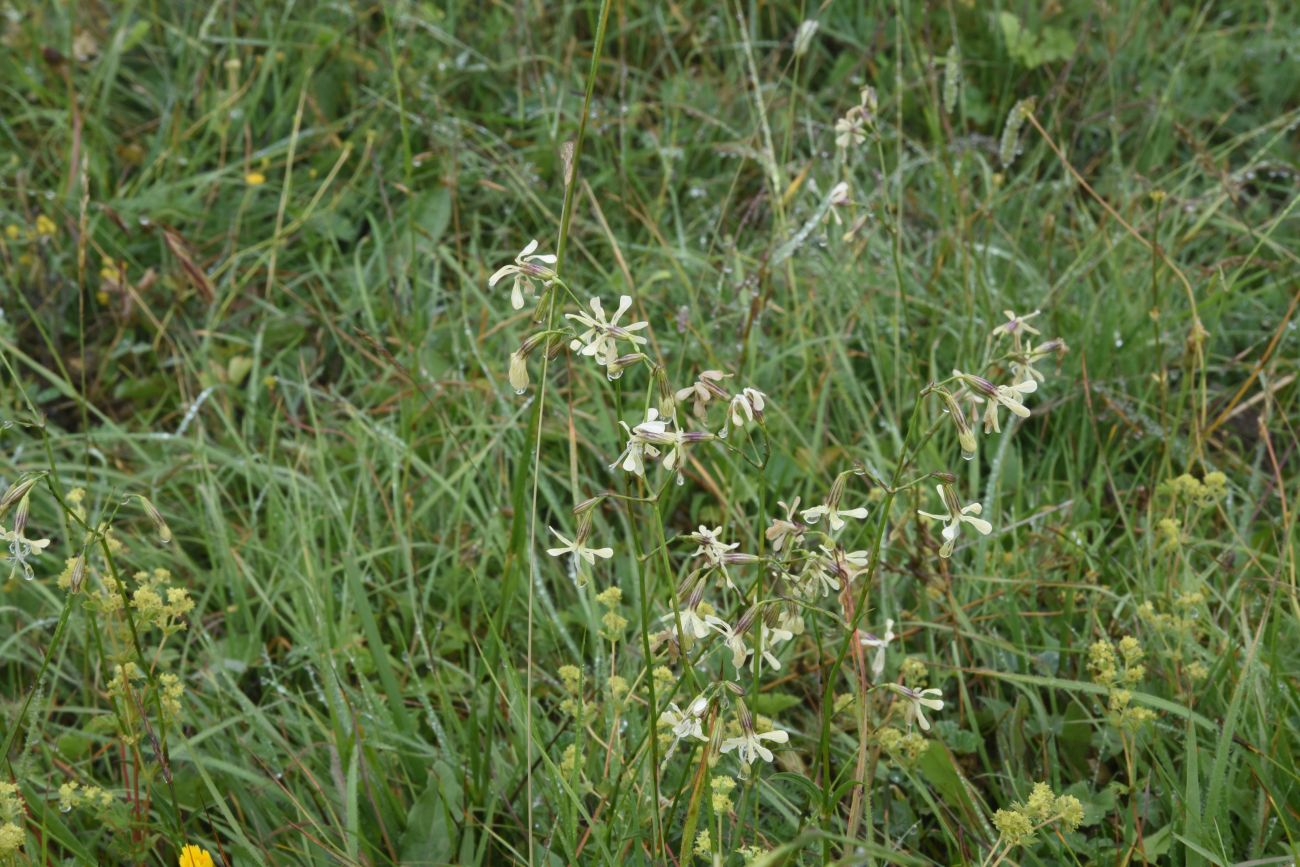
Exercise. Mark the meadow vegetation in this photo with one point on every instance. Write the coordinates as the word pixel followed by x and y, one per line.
pixel 649 433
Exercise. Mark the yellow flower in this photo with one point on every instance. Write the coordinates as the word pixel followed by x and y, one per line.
pixel 254 179
pixel 45 227
pixel 193 856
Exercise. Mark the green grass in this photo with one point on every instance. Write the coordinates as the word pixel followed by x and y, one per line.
pixel 307 378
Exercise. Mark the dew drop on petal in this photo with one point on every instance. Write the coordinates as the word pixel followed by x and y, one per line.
pixel 968 456
pixel 520 390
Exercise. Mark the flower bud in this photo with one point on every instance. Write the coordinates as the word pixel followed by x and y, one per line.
pixel 518 373
pixel 77 575
pixel 18 490
pixel 164 532
pixel 21 514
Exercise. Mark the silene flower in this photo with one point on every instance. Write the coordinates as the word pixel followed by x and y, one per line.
pixel 1010 396
pixel 704 389
pixel 21 548
pixel 866 639
pixel 749 745
pixel 1022 363
pixel 712 549
pixel 785 530
pixel 745 407
pixel 1015 326
pixel 687 723
pixel 600 339
pixel 693 624
pixel 639 442
pixel 527 267
pixel 578 549
pixel 834 514
pixel 955 516
pixel 916 701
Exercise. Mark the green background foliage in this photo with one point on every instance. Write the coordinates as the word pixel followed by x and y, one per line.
pixel 307 377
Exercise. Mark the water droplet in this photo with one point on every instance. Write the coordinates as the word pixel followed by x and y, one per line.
pixel 722 434
pixel 520 390
pixel 968 456
pixel 681 480
pixel 65 808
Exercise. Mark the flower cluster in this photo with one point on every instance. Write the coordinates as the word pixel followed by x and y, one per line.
pixel 12 835
pixel 1118 667
pixel 1017 825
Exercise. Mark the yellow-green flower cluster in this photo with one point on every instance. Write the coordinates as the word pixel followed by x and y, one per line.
pixel 915 673
pixel 572 704
pixel 72 794
pixel 159 605
pixel 1181 620
pixel 703 844
pixel 613 622
pixel 1169 533
pixel 170 691
pixel 1043 807
pixel 903 748
pixel 11 815
pixel 722 787
pixel 1196 492
pixel 1119 667
pixel 1112 665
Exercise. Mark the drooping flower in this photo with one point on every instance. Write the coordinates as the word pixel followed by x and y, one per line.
pixel 955 516
pixel 915 702
pixel 745 407
pixel 1010 396
pixel 527 267
pixel 867 639
pixel 600 340
pixel 785 530
pixel 639 443
pixel 704 389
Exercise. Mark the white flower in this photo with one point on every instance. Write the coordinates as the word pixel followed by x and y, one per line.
pixel 804 35
pixel 526 267
pixel 1015 325
pixel 518 372
pixel 955 516
pixel 745 407
pixel 1022 364
pixel 866 639
pixel 694 625
pixel 834 514
pixel 711 547
pixel 1010 396
pixel 819 577
pixel 915 701
pixel 703 390
pixel 639 445
pixel 768 638
pixel 20 548
pixel 687 723
pixel 578 549
pixel 600 338
pixel 850 129
pixel 784 530
pixel 749 745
